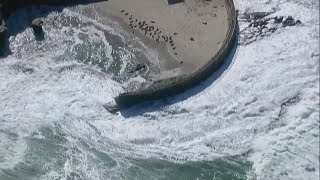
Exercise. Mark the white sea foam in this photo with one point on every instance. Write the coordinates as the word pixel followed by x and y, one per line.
pixel 236 114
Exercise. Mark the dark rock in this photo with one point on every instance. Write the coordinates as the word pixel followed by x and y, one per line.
pixel 140 67
pixel 273 29
pixel 259 15
pixel 289 22
pixel 256 15
pixel 289 102
pixel 37 29
pixel 259 25
pixel 278 19
pixel 284 174
pixel 263 22
pixel 113 109
pixel 37 22
pixel 191 39
pixel 205 23
pixel 27 70
pixel 310 169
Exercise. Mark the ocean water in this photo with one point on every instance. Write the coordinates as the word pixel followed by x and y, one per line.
pixel 256 118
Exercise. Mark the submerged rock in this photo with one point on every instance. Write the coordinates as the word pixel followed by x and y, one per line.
pixel 289 102
pixel 112 108
pixel 254 16
pixel 138 68
pixel 278 19
pixel 259 15
pixel 260 26
pixel 289 22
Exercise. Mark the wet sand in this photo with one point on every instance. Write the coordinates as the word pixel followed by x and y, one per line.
pixel 183 36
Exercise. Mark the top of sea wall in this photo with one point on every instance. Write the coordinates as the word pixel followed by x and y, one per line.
pixel 159 88
pixel 170 86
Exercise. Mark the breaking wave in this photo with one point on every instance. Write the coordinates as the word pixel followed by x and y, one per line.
pixel 258 120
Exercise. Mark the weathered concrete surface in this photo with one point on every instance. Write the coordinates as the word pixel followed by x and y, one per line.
pixel 177 84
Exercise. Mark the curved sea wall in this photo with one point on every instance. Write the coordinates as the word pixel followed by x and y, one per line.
pixel 160 88
pixel 178 84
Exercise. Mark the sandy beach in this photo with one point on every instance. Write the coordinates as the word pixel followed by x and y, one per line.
pixel 184 36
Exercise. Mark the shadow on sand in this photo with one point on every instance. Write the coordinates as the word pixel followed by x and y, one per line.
pixel 18 15
pixel 156 105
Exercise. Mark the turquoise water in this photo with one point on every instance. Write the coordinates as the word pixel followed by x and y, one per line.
pixel 50 150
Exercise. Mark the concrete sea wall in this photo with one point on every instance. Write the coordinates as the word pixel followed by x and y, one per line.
pixel 178 84
pixel 161 88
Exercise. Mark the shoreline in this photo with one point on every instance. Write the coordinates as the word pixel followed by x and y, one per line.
pixel 189 40
pixel 171 86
